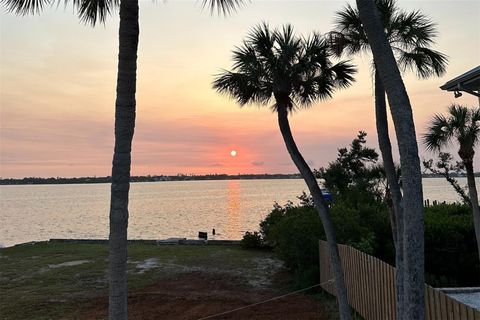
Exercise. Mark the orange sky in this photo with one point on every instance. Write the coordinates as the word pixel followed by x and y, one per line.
pixel 58 89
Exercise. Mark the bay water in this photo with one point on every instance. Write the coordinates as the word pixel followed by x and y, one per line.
pixel 158 210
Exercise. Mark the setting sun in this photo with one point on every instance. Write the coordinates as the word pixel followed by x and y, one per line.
pixel 233 153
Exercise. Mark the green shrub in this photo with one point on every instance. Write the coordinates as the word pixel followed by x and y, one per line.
pixel 450 209
pixel 450 244
pixel 277 214
pixel 252 240
pixel 451 257
pixel 296 236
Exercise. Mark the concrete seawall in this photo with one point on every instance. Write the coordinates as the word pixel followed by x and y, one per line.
pixel 169 241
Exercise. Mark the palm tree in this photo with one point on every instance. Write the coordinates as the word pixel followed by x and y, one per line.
pixel 411 305
pixel 410 36
pixel 93 12
pixel 463 125
pixel 294 73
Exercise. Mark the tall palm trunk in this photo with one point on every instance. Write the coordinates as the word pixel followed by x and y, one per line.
pixel 472 192
pixel 396 211
pixel 413 224
pixel 322 209
pixel 124 128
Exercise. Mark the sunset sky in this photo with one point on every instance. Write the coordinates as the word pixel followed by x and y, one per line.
pixel 58 76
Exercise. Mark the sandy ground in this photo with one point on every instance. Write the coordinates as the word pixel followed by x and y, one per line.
pixel 198 295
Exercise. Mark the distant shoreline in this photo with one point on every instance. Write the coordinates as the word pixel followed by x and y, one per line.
pixel 161 178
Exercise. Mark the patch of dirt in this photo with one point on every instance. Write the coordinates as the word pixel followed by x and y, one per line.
pixel 68 264
pixel 147 264
pixel 196 295
pixel 64 264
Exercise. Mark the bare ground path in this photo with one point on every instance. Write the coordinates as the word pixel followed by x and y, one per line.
pixel 200 294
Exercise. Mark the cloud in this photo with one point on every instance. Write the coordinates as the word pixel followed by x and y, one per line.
pixel 257 163
pixel 216 165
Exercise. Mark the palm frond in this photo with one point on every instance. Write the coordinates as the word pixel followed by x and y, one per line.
pixel 474 130
pixel 25 7
pixel 312 90
pixel 459 116
pixel 245 58
pixel 94 11
pixel 344 74
pixel 314 54
pixel 411 35
pixel 423 61
pixel 242 87
pixel 439 133
pixel 89 11
pixel 476 115
pixel 462 123
pixel 224 7
pixel 288 45
pixel 413 29
pixel 263 41
pixel 353 38
pixel 387 10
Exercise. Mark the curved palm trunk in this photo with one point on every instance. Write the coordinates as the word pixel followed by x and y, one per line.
pixel 124 128
pixel 413 246
pixel 321 208
pixel 472 192
pixel 396 212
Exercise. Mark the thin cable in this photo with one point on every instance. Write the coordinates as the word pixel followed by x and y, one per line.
pixel 257 303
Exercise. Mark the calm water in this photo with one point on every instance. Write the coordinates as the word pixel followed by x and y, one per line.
pixel 157 210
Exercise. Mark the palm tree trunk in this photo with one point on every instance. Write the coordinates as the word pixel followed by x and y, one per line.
pixel 322 209
pixel 413 241
pixel 392 179
pixel 472 192
pixel 124 128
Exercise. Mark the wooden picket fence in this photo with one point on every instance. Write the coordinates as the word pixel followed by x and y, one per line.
pixel 370 286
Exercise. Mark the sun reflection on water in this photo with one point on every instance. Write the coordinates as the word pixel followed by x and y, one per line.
pixel 233 211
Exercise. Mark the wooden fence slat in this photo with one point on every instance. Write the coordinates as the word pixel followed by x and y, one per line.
pixel 456 310
pixel 366 288
pixel 361 284
pixel 368 260
pixel 463 312
pixel 356 281
pixel 452 306
pixel 445 302
pixel 435 315
pixel 427 304
pixel 363 288
pixel 347 272
pixel 441 306
pixel 373 283
pixel 381 315
pixel 470 315
pixel 476 314
pixel 394 289
pixel 378 275
pixel 384 293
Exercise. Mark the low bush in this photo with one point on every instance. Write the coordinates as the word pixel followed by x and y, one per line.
pixel 451 257
pixel 252 240
pixel 450 246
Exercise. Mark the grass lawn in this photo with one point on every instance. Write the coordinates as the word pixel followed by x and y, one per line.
pixel 60 280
